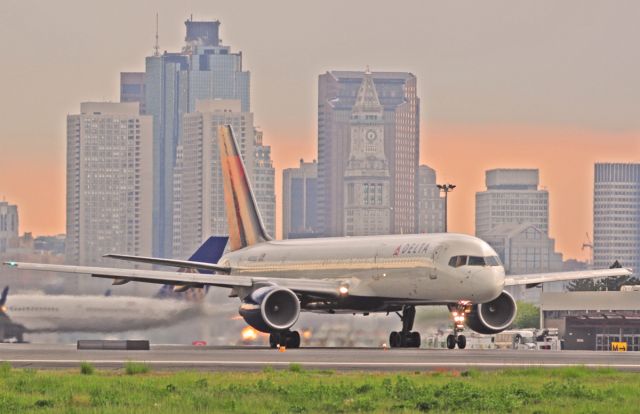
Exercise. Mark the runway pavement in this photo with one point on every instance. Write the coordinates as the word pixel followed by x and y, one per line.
pixel 179 357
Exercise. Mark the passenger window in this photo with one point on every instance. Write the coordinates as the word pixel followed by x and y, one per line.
pixel 476 261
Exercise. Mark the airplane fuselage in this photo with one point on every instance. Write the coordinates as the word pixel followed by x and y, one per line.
pixel 411 268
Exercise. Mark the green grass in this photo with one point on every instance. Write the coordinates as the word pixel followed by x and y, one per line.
pixel 134 368
pixel 86 368
pixel 306 391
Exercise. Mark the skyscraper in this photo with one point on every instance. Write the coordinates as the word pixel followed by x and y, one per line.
pixel 430 204
pixel 299 201
pixel 512 215
pixel 199 208
pixel 512 196
pixel 337 93
pixel 204 69
pixel 8 226
pixel 263 181
pixel 616 215
pixel 132 88
pixel 109 182
pixel 367 206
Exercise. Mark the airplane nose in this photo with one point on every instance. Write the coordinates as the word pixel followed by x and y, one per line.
pixel 493 281
pixel 497 274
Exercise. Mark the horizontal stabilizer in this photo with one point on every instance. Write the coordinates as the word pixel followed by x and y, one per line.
pixel 171 262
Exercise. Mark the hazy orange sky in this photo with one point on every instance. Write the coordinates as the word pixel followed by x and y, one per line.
pixel 538 84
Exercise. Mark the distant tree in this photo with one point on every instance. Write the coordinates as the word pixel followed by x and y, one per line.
pixel 582 285
pixel 528 316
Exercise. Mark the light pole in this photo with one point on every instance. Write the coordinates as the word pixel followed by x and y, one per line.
pixel 446 188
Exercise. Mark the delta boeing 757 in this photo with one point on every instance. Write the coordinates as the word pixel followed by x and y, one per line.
pixel 276 280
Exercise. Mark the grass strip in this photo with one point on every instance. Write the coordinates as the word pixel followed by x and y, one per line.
pixel 299 390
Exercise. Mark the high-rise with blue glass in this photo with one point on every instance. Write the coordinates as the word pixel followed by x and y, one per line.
pixel 203 69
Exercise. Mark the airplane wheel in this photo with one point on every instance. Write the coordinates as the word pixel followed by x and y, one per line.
pixel 451 341
pixel 415 339
pixel 394 339
pixel 293 339
pixel 274 340
pixel 462 341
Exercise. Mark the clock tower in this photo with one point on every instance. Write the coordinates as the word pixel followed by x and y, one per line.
pixel 366 179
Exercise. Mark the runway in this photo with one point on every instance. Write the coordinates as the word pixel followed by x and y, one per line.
pixel 179 357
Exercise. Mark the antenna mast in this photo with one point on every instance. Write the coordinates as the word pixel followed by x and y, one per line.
pixel 156 47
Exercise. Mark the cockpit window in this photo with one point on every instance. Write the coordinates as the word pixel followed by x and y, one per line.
pixel 457 261
pixel 476 261
pixel 492 261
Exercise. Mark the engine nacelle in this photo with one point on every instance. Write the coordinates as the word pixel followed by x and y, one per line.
pixel 493 317
pixel 270 309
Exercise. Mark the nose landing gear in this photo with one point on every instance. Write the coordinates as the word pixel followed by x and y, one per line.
pixel 459 312
pixel 406 338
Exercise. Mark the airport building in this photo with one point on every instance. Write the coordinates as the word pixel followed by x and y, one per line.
pixel 397 94
pixel 199 207
pixel 593 320
pixel 512 196
pixel 430 204
pixel 8 226
pixel 109 182
pixel 174 82
pixel 616 215
pixel 299 201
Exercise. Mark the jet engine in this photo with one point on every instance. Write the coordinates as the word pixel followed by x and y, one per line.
pixel 270 309
pixel 493 317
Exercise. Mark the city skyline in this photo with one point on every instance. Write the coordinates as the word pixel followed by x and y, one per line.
pixel 590 118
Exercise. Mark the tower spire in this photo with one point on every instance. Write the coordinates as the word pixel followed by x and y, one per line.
pixel 367 97
pixel 156 47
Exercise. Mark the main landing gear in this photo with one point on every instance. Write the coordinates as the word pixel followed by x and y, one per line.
pixel 456 338
pixel 288 339
pixel 406 338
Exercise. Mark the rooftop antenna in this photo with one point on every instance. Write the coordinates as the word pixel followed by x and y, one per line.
pixel 156 48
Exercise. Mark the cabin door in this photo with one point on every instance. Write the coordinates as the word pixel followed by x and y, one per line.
pixel 435 255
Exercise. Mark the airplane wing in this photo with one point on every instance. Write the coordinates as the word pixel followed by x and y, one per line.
pixel 536 278
pixel 304 286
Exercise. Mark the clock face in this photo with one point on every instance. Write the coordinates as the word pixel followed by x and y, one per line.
pixel 371 135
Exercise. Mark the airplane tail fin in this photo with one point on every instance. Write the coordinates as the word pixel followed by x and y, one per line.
pixel 245 223
pixel 209 252
pixel 3 297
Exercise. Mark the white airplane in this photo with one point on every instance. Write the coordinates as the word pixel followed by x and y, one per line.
pixel 276 280
pixel 40 313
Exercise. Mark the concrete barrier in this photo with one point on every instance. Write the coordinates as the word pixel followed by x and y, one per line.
pixel 113 345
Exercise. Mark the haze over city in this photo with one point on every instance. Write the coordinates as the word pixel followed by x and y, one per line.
pixel 501 86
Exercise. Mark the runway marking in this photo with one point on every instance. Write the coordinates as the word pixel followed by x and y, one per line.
pixel 326 364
